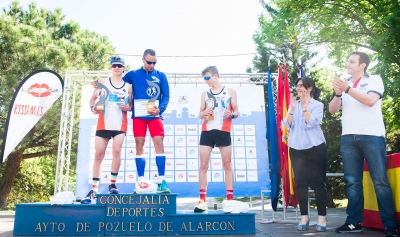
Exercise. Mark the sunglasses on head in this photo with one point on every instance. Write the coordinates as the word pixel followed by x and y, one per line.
pixel 148 62
pixel 117 66
pixel 207 77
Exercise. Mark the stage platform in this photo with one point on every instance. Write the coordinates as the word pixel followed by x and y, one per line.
pixel 336 217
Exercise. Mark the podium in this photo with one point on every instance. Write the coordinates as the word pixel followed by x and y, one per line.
pixel 127 214
pixel 372 217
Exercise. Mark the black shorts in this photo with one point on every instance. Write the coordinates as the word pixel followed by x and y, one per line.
pixel 215 138
pixel 108 133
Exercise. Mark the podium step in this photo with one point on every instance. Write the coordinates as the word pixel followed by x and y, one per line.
pixel 68 219
pixel 212 222
pixel 126 214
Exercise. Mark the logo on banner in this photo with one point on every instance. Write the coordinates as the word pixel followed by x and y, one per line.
pixel 183 99
pixel 39 90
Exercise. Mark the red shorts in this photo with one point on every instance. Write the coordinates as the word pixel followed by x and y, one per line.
pixel 156 127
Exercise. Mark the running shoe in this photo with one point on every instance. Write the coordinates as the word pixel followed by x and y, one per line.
pixel 347 228
pixel 90 198
pixel 201 206
pixel 112 189
pixel 163 187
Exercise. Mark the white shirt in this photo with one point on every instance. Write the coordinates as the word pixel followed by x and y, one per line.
pixel 358 118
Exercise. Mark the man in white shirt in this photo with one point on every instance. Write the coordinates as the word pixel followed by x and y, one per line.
pixel 363 137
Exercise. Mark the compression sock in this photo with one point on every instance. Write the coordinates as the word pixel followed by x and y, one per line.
pixel 140 166
pixel 160 161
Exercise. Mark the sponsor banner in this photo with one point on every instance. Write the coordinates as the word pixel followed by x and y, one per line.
pixel 182 129
pixel 34 96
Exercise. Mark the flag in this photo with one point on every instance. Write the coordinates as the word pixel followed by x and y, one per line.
pixel 301 71
pixel 285 136
pixel 33 97
pixel 282 146
pixel 272 138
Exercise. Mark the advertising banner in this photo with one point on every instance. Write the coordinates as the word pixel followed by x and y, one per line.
pixel 182 128
pixel 31 100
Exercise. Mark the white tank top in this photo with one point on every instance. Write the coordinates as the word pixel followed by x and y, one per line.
pixel 113 118
pixel 222 103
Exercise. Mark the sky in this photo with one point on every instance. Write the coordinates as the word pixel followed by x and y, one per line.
pixel 172 28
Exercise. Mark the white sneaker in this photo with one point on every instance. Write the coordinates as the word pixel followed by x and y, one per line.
pixel 201 206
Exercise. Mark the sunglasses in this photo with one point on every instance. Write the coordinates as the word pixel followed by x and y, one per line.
pixel 207 77
pixel 117 66
pixel 148 62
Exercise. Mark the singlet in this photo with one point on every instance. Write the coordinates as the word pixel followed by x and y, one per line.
pixel 113 118
pixel 222 103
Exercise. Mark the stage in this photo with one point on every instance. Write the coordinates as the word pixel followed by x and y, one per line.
pixel 336 217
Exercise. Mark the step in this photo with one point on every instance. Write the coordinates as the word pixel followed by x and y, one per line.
pixel 126 214
pixel 212 222
pixel 68 219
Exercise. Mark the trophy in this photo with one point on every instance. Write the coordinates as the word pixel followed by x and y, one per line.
pixel 153 91
pixel 210 103
pixel 99 106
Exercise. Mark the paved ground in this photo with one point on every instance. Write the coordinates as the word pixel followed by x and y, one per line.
pixel 336 217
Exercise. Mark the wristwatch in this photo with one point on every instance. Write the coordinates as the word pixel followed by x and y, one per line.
pixel 306 110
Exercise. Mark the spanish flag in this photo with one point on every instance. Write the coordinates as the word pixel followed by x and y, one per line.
pixel 371 213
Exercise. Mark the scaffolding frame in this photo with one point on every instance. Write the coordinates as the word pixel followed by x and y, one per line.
pixel 75 79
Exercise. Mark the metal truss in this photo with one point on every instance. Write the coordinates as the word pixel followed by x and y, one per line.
pixel 73 82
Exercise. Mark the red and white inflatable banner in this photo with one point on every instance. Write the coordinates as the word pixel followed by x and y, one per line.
pixel 33 97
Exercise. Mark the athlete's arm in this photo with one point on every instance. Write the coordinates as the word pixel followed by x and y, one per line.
pixel 164 87
pixel 203 110
pixel 235 107
pixel 128 77
pixel 95 95
pixel 130 98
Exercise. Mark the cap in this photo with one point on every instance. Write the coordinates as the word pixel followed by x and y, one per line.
pixel 117 60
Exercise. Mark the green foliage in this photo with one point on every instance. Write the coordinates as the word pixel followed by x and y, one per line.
pixel 31 183
pixel 300 29
pixel 343 26
pixel 35 39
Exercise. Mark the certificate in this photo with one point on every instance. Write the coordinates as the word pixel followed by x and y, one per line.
pixel 140 107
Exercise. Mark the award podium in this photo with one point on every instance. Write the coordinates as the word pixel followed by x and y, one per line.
pixel 127 214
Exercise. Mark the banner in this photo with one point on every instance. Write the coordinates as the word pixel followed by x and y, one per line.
pixel 33 97
pixel 181 144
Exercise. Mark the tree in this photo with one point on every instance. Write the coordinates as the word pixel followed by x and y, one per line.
pixel 283 33
pixel 36 39
pixel 345 25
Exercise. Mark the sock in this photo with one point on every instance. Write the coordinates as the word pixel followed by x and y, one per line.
pixel 114 177
pixel 229 194
pixel 160 161
pixel 203 194
pixel 95 184
pixel 140 166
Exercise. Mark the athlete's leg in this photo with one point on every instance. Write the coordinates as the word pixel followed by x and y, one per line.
pixel 205 153
pixel 226 155
pixel 139 131
pixel 118 140
pixel 100 146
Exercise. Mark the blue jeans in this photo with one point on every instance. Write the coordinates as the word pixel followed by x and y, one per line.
pixel 354 149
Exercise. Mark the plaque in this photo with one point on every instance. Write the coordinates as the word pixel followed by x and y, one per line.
pixel 210 104
pixel 153 91
pixel 99 106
